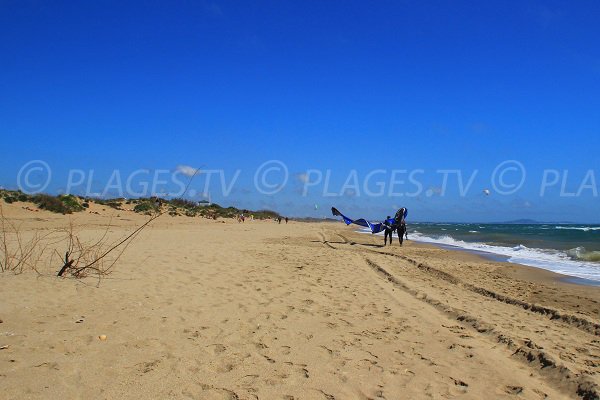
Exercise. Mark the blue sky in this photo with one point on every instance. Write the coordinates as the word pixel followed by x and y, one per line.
pixel 224 85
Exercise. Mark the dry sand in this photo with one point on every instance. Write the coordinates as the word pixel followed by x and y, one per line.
pixel 205 309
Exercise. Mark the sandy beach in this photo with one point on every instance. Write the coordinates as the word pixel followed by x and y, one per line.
pixel 204 309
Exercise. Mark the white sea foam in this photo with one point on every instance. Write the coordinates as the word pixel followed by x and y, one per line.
pixel 580 228
pixel 551 260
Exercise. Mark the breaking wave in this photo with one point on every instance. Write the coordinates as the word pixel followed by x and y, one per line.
pixel 576 262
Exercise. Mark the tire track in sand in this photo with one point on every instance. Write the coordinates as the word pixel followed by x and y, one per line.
pixel 552 314
pixel 526 351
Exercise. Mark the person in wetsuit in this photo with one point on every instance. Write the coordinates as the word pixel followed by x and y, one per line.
pixel 389 229
pixel 400 225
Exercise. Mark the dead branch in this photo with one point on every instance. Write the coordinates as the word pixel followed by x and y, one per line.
pixel 18 253
pixel 97 258
pixel 81 259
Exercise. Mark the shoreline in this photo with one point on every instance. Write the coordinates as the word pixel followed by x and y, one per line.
pixel 466 262
pixel 505 260
pixel 501 258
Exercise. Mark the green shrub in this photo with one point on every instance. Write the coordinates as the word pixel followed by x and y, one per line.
pixel 183 203
pixel 51 203
pixel 71 202
pixel 114 204
pixel 23 197
pixel 265 214
pixel 146 207
pixel 64 204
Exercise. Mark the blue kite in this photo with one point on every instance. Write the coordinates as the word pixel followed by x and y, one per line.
pixel 375 227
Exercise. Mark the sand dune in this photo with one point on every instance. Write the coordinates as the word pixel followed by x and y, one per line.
pixel 205 309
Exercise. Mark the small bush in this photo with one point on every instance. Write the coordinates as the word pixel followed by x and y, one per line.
pixel 51 203
pixel 10 196
pixel 146 207
pixel 266 214
pixel 71 202
pixel 114 204
pixel 183 203
pixel 64 204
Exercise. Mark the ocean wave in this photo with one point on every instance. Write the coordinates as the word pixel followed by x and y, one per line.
pixel 580 253
pixel 579 228
pixel 577 262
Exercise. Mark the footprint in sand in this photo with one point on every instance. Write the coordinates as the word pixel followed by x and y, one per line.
pixel 225 367
pixel 514 389
pixel 459 384
pixel 149 366
pixel 218 348
pixel 304 372
pixel 269 359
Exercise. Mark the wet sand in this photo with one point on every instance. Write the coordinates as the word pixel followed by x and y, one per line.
pixel 206 309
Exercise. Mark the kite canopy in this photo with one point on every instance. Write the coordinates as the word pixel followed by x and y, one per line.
pixel 374 227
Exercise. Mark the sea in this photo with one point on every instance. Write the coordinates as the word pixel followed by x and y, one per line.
pixel 572 250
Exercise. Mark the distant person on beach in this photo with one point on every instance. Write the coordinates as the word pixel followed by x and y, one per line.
pixel 286 220
pixel 279 220
pixel 389 229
